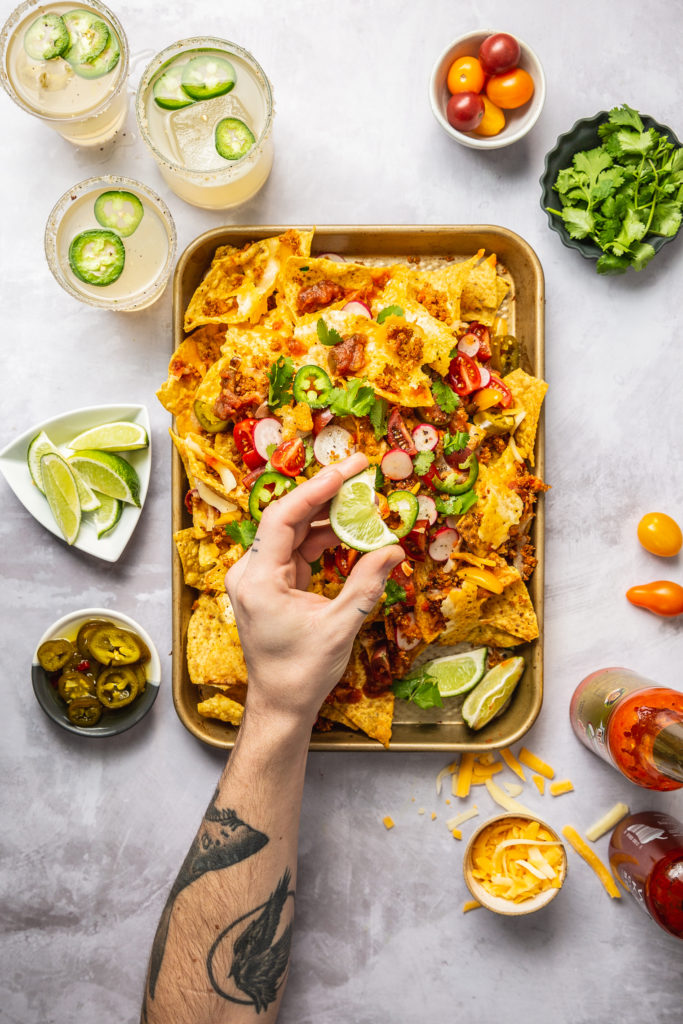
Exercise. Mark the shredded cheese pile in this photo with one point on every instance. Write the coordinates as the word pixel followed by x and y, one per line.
pixel 517 859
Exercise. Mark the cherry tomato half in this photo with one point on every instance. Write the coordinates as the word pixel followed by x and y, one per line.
pixel 481 332
pixel 464 111
pixel 464 374
pixel 660 534
pixel 493 121
pixel 496 384
pixel 499 52
pixel 289 457
pixel 243 436
pixel 465 75
pixel 661 597
pixel 510 90
pixel 345 559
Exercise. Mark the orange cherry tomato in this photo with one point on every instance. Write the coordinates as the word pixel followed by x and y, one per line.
pixel 661 597
pixel 659 533
pixel 510 90
pixel 465 75
pixel 493 121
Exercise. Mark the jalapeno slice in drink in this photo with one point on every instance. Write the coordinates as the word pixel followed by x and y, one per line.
pixel 84 711
pixel 97 257
pixel 53 655
pixel 233 138
pixel 117 686
pixel 269 487
pixel 207 76
pixel 313 386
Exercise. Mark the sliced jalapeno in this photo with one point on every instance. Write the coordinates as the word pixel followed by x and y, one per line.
pixel 84 711
pixel 454 483
pixel 207 417
pixel 313 386
pixel 404 507
pixel 505 353
pixel 112 645
pixel 53 655
pixel 117 686
pixel 269 487
pixel 84 633
pixel 73 684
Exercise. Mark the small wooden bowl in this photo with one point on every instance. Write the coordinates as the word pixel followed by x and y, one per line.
pixel 498 904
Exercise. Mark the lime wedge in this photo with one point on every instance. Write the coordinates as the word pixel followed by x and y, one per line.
pixel 109 474
pixel 355 517
pixel 457 673
pixel 87 497
pixel 121 436
pixel 489 698
pixel 39 446
pixel 62 494
pixel 107 515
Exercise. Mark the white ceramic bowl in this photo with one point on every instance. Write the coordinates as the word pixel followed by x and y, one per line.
pixel 61 430
pixel 517 122
pixel 112 722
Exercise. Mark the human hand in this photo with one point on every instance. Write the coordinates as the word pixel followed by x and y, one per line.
pixel 296 644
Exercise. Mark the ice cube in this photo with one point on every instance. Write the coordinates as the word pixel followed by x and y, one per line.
pixel 46 75
pixel 192 131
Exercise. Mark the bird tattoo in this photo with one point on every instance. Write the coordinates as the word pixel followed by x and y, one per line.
pixel 259 962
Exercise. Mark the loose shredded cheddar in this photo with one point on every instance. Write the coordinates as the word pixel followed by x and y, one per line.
pixel 512 763
pixel 462 788
pixel 448 770
pixel 561 786
pixel 470 905
pixel 540 783
pixel 461 818
pixel 504 800
pixel 607 822
pixel 456 833
pixel 388 822
pixel 513 788
pixel 487 758
pixel 593 861
pixel 535 764
pixel 433 815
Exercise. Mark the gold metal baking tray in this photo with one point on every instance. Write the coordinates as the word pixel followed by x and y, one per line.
pixel 413 729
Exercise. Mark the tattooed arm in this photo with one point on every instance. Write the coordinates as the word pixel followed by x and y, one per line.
pixel 221 952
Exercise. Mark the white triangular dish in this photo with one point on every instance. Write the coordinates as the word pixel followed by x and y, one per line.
pixel 61 430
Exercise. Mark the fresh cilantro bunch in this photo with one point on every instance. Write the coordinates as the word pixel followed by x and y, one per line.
pixel 629 187
pixel 420 688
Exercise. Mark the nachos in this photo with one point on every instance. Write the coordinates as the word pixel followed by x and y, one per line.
pixel 293 361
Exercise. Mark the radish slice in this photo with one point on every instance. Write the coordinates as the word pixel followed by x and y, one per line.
pixel 357 308
pixel 452 522
pixel 485 377
pixel 425 437
pixel 427 508
pixel 397 464
pixel 266 433
pixel 443 543
pixel 332 444
pixel 404 642
pixel 262 411
pixel 470 345
pixel 334 256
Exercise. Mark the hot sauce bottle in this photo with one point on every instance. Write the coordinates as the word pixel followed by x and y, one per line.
pixel 634 724
pixel 646 854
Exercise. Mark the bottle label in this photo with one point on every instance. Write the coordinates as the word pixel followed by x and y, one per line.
pixel 594 702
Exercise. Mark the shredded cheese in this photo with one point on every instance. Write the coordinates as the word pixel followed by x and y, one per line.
pixel 448 770
pixel 513 788
pixel 470 905
pixel 540 783
pixel 535 764
pixel 461 818
pixel 487 758
pixel 593 861
pixel 504 800
pixel 456 833
pixel 388 822
pixel 607 822
pixel 512 763
pixel 464 776
pixel 433 815
pixel 561 786
pixel 507 853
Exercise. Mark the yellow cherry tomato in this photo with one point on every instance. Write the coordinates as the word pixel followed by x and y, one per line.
pixel 465 75
pixel 660 534
pixel 511 89
pixel 493 121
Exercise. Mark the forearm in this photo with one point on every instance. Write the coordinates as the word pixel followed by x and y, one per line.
pixel 222 948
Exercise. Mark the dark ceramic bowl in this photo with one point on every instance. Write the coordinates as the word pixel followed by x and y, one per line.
pixel 584 135
pixel 112 722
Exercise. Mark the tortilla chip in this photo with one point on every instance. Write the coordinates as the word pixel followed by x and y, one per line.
pixel 491 637
pixel 499 507
pixel 527 392
pixel 483 292
pixel 214 654
pixel 335 714
pixel 221 707
pixel 299 274
pixel 188 366
pixel 204 564
pixel 203 465
pixel 512 612
pixel 239 282
pixel 373 715
pixel 461 612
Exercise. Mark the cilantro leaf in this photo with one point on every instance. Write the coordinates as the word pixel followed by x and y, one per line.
pixel 281 377
pixel 378 417
pixel 457 504
pixel 455 442
pixel 578 223
pixel 394 593
pixel 420 688
pixel 610 264
pixel 356 399
pixel 242 532
pixel 666 219
pixel 327 335
pixel 625 116
pixel 444 396
pixel 641 255
pixel 389 311
pixel 422 462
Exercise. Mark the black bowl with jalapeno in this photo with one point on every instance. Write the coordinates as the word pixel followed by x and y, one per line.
pixel 96 672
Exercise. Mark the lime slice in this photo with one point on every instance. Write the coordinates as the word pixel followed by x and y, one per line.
pixel 39 446
pixel 109 474
pixel 457 673
pixel 87 497
pixel 492 694
pixel 355 517
pixel 107 515
pixel 122 436
pixel 62 494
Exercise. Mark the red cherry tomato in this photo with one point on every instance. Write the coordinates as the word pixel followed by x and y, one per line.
pixel 289 457
pixel 243 435
pixel 501 389
pixel 464 374
pixel 345 559
pixel 398 576
pixel 661 597
pixel 481 332
pixel 398 434
pixel 415 543
pixel 660 534
pixel 510 90
pixel 465 75
pixel 464 111
pixel 252 459
pixel 499 52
